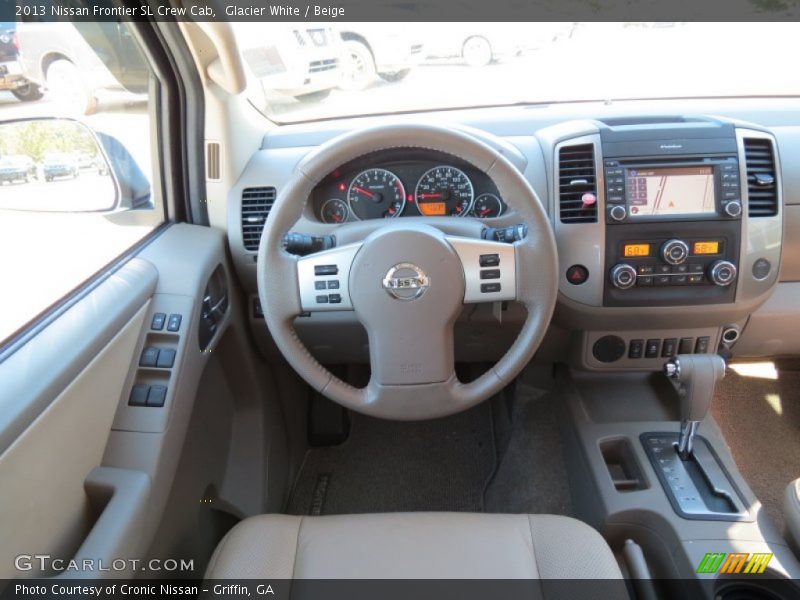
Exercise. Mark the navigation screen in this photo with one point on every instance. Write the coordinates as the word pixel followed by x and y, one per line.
pixel 670 191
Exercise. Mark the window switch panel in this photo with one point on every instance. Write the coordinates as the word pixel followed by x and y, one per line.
pixel 157 324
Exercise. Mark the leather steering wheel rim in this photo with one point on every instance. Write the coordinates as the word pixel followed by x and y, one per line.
pixel 534 257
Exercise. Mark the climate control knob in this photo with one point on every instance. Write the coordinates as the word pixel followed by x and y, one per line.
pixel 617 213
pixel 722 272
pixel 675 252
pixel 623 276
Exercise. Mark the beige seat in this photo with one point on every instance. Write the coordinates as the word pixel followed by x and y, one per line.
pixel 413 545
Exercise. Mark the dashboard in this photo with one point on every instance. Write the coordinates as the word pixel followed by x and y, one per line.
pixel 676 231
pixel 406 183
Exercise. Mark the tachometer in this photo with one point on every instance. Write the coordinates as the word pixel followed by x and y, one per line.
pixel 444 190
pixel 487 206
pixel 376 193
pixel 334 211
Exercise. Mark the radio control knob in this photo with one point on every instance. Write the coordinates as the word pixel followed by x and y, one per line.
pixel 623 276
pixel 733 208
pixel 675 252
pixel 617 213
pixel 722 272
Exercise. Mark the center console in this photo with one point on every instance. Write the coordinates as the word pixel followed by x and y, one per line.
pixel 673 214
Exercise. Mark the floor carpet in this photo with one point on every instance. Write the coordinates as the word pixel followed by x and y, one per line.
pixel 388 466
pixel 760 419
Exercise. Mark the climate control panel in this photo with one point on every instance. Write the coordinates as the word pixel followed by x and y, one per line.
pixel 688 263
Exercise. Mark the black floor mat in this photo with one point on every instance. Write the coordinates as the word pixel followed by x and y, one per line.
pixel 760 419
pixel 388 466
pixel 531 475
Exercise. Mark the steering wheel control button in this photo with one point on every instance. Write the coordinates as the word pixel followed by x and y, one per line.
pixel 335 298
pixel 609 348
pixel 489 260
pixel 320 285
pixel 668 349
pixel 652 348
pixel 761 269
pixel 174 322
pixel 166 358
pixel 577 274
pixel 405 281
pixel 722 272
pixel 702 345
pixel 333 284
pixel 149 357
pixel 157 324
pixel 490 288
pixel 623 276
pixel 322 299
pixel 490 274
pixel 675 252
pixel 138 395
pixel 325 270
pixel 636 349
pixel 157 395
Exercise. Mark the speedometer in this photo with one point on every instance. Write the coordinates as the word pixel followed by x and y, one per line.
pixel 444 190
pixel 376 193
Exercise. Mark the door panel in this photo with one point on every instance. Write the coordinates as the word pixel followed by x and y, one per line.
pixel 83 472
pixel 44 506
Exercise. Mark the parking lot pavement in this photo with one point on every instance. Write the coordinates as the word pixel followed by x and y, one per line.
pixel 87 192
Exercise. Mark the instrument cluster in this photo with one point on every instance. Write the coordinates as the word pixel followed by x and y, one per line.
pixel 417 183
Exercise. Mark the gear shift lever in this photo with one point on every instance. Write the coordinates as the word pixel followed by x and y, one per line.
pixel 694 376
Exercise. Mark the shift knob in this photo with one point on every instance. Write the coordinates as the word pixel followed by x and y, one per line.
pixel 694 377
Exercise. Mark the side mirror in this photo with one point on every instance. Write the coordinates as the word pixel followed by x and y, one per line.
pixel 61 165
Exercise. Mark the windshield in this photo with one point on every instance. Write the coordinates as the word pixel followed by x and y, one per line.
pixel 302 71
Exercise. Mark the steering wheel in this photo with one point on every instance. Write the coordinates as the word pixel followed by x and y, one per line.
pixel 420 271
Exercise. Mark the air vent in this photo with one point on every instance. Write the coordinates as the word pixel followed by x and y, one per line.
pixel 213 164
pixel 256 204
pixel 762 188
pixel 576 177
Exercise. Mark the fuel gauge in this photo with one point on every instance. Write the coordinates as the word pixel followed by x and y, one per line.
pixel 334 211
pixel 487 206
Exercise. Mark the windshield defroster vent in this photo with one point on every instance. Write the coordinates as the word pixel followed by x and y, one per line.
pixel 577 184
pixel 256 204
pixel 762 189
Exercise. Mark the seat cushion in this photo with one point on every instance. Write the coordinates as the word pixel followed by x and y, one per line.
pixel 413 545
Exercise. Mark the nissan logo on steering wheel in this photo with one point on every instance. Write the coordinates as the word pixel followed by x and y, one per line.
pixel 406 281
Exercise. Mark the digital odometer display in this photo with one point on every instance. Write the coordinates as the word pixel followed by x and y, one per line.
pixel 444 190
pixel 670 191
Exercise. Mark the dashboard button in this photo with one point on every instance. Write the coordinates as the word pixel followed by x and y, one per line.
pixel 644 280
pixel 652 348
pixel 686 345
pixel 636 349
pixel 702 345
pixel 694 279
pixel 668 349
pixel 662 280
pixel 674 252
pixel 577 274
